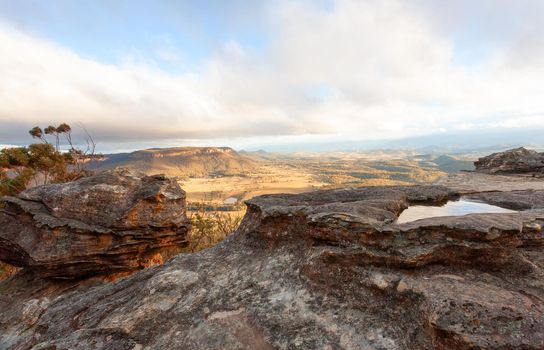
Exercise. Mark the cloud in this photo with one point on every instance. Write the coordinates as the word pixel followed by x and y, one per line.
pixel 368 69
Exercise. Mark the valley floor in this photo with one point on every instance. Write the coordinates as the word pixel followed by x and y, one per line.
pixel 296 176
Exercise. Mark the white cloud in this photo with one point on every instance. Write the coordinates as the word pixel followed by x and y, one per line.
pixel 6 146
pixel 374 69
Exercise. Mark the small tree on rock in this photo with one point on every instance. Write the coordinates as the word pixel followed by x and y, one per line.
pixel 42 162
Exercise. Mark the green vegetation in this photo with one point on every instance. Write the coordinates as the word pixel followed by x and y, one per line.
pixel 44 162
pixel 452 165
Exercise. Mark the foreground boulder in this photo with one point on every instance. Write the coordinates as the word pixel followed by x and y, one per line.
pixel 113 222
pixel 514 161
pixel 321 270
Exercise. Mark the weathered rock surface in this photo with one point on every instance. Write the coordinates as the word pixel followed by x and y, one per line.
pixel 514 161
pixel 322 270
pixel 472 182
pixel 113 222
pixel 516 200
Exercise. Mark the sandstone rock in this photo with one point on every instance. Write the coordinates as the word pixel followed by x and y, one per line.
pixel 514 161
pixel 473 182
pixel 112 222
pixel 321 270
pixel 516 200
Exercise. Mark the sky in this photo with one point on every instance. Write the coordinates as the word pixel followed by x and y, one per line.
pixel 258 74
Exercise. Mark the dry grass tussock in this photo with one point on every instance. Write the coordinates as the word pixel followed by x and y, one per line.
pixel 210 225
pixel 7 271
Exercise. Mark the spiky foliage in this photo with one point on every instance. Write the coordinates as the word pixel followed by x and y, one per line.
pixel 42 163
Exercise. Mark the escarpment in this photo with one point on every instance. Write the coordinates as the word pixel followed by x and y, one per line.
pixel 321 270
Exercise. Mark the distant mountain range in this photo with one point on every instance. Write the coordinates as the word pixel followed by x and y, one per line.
pixel 181 161
pixel 224 161
pixel 475 141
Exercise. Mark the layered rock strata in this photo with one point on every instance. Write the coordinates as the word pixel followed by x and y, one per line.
pixel 321 270
pixel 113 222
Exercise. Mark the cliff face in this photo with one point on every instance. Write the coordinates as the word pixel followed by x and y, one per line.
pixel 113 222
pixel 320 270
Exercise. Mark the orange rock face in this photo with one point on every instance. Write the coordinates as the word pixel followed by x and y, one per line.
pixel 109 223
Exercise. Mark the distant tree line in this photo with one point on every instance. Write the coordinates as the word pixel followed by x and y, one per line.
pixel 45 162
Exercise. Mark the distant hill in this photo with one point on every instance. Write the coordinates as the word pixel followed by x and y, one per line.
pixel 182 161
pixel 451 165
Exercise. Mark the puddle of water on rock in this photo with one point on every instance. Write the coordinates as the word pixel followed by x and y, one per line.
pixel 451 208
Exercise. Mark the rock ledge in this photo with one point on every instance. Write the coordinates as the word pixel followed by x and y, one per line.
pixel 113 222
pixel 321 270
pixel 514 161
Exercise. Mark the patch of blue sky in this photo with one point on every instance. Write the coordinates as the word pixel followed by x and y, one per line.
pixel 318 93
pixel 110 31
pixel 326 5
pixel 471 52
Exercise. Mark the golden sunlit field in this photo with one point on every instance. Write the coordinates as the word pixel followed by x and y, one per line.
pixel 220 178
pixel 216 202
pixel 298 175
